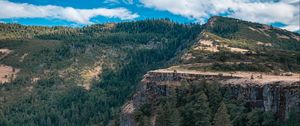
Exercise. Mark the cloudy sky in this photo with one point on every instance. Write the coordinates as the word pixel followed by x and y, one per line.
pixel 280 13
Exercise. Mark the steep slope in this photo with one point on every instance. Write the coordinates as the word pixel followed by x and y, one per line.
pixel 231 45
pixel 80 76
pixel 242 96
pixel 252 68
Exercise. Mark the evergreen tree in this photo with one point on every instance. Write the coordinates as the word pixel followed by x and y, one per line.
pixel 254 118
pixel 222 118
pixel 3 120
pixel 201 110
pixel 293 118
pixel 269 119
pixel 214 96
pixel 168 115
pixel 49 123
pixel 187 115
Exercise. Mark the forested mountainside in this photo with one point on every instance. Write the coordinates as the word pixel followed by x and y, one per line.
pixel 236 73
pixel 80 76
pixel 83 76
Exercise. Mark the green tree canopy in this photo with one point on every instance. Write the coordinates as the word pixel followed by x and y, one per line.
pixel 222 118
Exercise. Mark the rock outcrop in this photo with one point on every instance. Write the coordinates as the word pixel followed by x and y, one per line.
pixel 277 96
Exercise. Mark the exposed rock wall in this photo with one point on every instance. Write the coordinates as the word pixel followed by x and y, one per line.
pixel 278 97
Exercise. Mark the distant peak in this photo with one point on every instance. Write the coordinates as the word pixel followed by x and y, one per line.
pixel 212 20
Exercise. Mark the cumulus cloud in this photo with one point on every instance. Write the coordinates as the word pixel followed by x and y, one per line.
pixel 292 28
pixel 263 11
pixel 81 16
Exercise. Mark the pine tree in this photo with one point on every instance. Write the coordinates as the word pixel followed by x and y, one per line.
pixel 3 120
pixel 269 119
pixel 214 95
pixel 168 115
pixel 222 118
pixel 163 116
pixel 187 114
pixel 49 123
pixel 255 118
pixel 201 112
pixel 293 119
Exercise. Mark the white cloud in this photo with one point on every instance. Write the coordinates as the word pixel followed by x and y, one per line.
pixel 263 11
pixel 292 27
pixel 81 16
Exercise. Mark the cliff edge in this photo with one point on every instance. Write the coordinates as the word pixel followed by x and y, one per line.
pixel 276 93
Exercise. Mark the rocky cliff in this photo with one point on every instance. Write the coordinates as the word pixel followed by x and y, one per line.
pixel 276 96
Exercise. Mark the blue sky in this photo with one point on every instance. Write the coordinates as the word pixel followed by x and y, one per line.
pixel 280 13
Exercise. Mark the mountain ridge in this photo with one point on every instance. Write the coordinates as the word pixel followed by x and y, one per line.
pixel 95 69
pixel 166 96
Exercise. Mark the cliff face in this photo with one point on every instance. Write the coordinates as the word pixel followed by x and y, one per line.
pixel 278 96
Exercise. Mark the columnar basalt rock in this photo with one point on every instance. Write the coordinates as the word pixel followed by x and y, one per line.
pixel 278 97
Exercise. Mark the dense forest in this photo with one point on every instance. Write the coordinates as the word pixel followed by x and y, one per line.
pixel 54 100
pixel 205 103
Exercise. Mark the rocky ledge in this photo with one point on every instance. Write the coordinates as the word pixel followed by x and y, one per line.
pixel 263 91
